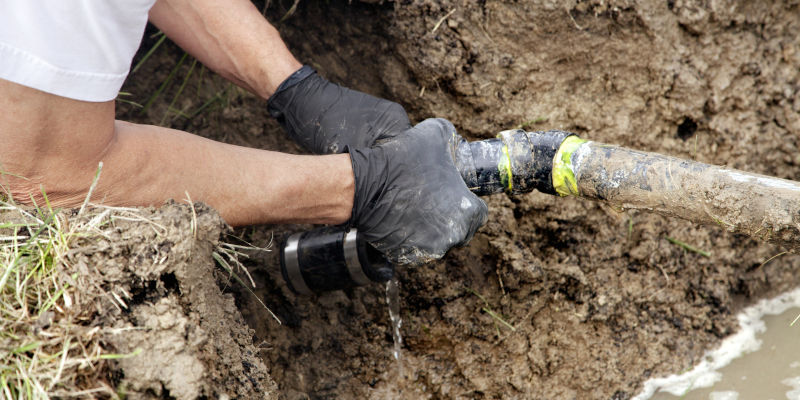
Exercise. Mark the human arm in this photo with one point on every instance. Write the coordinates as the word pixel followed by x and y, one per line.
pixel 230 37
pixel 247 186
pixel 53 145
pixel 233 39
pixel 422 213
pixel 405 194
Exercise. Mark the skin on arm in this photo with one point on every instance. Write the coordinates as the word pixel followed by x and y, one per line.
pixel 56 143
pixel 230 37
pixel 245 185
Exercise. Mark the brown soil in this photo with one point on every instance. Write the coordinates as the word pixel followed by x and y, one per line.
pixel 599 300
pixel 150 283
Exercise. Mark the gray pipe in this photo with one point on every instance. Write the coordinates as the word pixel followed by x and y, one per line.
pixel 760 206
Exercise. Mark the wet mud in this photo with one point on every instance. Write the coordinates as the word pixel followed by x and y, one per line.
pixel 599 300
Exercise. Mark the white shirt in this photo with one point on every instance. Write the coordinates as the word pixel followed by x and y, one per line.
pixel 81 49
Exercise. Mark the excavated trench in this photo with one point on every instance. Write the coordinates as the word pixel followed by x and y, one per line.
pixel 599 300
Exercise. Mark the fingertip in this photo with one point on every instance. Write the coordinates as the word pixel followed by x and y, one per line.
pixel 484 213
pixel 398 120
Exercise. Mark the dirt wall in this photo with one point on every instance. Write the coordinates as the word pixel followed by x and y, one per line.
pixel 599 300
pixel 149 284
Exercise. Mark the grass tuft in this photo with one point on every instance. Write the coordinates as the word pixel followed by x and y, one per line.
pixel 150 51
pixel 187 92
pixel 166 83
pixel 227 256
pixel 46 346
pixel 171 107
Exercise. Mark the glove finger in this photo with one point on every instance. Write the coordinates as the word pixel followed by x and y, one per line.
pixel 447 131
pixel 364 122
pixel 392 120
pixel 479 216
pixel 439 126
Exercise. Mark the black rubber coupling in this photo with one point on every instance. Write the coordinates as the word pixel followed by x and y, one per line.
pixel 543 148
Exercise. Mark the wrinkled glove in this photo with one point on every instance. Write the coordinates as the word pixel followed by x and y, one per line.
pixel 325 118
pixel 410 200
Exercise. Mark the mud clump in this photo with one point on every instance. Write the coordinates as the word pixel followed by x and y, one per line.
pixel 599 300
pixel 155 291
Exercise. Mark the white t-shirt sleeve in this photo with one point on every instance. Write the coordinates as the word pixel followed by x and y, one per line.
pixel 81 49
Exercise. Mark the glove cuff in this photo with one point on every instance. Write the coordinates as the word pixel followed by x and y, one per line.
pixel 296 77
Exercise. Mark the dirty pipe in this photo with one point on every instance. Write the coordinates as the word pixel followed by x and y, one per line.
pixel 760 206
pixel 560 163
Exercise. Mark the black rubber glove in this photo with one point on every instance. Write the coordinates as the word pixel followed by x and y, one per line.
pixel 410 200
pixel 325 118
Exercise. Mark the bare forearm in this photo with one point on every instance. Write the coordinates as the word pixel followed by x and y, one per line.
pixel 53 145
pixel 147 165
pixel 230 37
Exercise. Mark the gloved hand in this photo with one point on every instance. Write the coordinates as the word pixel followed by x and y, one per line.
pixel 325 118
pixel 410 200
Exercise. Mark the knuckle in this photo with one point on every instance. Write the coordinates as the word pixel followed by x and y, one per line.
pixel 395 108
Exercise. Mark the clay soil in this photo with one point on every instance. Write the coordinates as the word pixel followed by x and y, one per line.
pixel 599 300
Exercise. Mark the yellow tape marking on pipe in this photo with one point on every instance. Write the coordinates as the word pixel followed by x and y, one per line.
pixel 563 177
pixel 504 166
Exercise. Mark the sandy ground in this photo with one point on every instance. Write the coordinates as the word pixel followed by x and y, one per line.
pixel 599 300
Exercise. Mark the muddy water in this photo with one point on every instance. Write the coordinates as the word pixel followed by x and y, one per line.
pixel 761 361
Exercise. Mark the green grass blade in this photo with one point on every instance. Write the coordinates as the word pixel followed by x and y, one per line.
pixel 178 94
pixel 120 356
pixel 164 84
pixel 688 247
pixel 149 53
pixel 26 348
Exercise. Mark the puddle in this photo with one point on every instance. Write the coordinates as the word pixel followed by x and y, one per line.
pixel 760 361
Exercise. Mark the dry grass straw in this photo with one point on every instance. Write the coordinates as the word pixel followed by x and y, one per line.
pixel 48 348
pixel 228 256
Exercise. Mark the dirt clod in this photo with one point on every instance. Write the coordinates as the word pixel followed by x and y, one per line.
pixel 169 326
pixel 599 300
